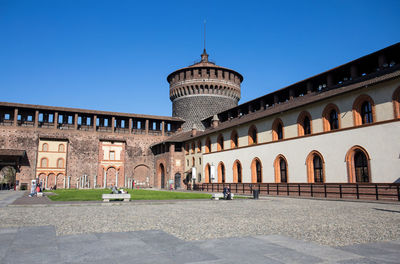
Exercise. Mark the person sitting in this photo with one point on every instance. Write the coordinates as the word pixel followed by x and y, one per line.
pixel 228 194
pixel 225 191
pixel 114 189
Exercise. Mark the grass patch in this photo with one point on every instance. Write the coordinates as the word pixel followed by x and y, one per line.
pixel 95 195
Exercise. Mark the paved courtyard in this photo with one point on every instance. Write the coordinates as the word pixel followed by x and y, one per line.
pixel 269 230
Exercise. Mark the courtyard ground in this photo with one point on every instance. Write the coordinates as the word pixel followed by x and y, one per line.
pixel 269 230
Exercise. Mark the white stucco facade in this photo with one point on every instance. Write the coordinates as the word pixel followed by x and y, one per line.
pixel 380 140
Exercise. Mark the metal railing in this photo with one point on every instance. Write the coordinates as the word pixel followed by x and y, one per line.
pixel 362 191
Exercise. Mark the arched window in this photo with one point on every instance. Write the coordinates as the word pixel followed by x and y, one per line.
pixel 207 173
pixel 220 142
pixel 331 117
pixel 187 148
pixel 315 167
pixel 396 103
pixel 358 166
pixel 45 147
pixel 361 166
pixel 363 110
pixel 221 172
pixel 237 172
pixel 208 145
pixel 281 169
pixel 199 146
pixel 234 139
pixel 193 147
pixel 304 124
pixel 277 130
pixel 252 135
pixel 44 163
pixel 256 171
pixel 60 163
pixel 61 148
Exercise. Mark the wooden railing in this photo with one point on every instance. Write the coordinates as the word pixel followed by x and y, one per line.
pixel 362 191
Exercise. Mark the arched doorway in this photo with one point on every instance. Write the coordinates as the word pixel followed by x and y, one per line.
pixel 141 174
pixel 111 176
pixel 162 176
pixel 358 166
pixel 51 180
pixel 60 181
pixel 42 179
pixel 7 177
pixel 177 180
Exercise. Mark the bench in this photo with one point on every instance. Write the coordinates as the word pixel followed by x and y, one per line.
pixel 217 196
pixel 108 196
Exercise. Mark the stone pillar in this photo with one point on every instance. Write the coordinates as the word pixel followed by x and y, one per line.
pixel 353 71
pixel 94 122
pixel 112 124
pixel 147 126
pixel 276 99
pixel 76 121
pixel 381 60
pixel 68 182
pixel 329 80
pixel 37 119
pixel 162 128
pixel 55 119
pixel 116 178
pixel 64 181
pixel 130 125
pixel 262 104
pixel 309 87
pixel 291 94
pixel 15 116
pixel 105 179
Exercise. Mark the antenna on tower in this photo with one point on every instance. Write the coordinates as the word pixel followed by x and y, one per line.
pixel 205 34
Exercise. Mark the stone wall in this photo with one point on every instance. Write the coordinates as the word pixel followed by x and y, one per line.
pixel 83 150
pixel 195 108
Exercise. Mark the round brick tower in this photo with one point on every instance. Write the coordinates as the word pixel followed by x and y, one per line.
pixel 202 90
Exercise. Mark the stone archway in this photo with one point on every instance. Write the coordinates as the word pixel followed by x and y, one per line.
pixel 42 179
pixel 51 180
pixel 162 176
pixel 178 178
pixel 60 181
pixel 7 177
pixel 111 176
pixel 141 174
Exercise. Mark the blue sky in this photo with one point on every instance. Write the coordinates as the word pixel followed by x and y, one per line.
pixel 116 55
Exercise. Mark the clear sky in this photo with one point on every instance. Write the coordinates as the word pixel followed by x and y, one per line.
pixel 115 55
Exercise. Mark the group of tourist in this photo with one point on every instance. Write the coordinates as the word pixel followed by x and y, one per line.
pixel 35 189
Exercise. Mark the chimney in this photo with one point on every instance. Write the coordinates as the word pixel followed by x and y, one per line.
pixel 194 130
pixel 215 121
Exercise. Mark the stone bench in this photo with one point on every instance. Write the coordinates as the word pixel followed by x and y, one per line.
pixel 217 196
pixel 39 194
pixel 108 196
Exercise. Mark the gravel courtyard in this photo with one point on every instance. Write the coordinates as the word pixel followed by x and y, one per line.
pixel 333 223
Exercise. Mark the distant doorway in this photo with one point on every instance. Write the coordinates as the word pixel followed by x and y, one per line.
pixel 177 181
pixel 162 176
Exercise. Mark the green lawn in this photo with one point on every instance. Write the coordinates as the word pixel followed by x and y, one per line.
pixel 95 195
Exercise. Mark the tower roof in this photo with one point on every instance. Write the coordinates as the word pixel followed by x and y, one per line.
pixel 205 63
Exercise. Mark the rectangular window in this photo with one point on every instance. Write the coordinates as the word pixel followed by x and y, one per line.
pixel 112 155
